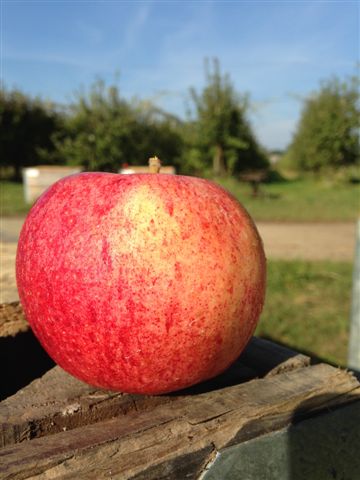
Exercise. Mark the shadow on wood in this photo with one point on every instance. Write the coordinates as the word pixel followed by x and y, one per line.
pixel 259 359
pixel 22 359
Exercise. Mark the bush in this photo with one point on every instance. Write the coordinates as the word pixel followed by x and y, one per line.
pixel 104 131
pixel 26 129
pixel 328 131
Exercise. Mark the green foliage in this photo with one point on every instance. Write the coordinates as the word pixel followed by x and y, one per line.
pixel 328 131
pixel 219 139
pixel 101 130
pixel 104 131
pixel 26 126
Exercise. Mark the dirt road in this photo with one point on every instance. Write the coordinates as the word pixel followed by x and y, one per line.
pixel 307 241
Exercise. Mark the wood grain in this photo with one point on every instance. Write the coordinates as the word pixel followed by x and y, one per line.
pixel 143 444
pixel 58 427
pixel 58 401
pixel 12 319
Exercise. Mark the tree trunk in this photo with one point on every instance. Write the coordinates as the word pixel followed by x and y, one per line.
pixel 17 172
pixel 219 161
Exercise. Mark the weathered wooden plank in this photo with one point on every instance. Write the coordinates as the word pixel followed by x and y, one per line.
pixel 187 466
pixel 58 401
pixel 12 319
pixel 149 445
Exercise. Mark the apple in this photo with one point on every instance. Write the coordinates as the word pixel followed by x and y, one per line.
pixel 143 283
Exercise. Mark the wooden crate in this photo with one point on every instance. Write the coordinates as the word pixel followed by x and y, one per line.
pixel 273 415
pixel 37 179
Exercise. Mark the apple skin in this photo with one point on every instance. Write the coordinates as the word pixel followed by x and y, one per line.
pixel 143 283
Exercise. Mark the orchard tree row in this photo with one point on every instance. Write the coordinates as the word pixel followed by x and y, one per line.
pixel 327 135
pixel 101 130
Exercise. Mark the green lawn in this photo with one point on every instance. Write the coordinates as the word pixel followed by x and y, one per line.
pixel 299 200
pixel 308 307
pixel 295 200
pixel 12 199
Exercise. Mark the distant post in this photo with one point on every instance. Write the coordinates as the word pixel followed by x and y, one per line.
pixel 354 341
pixel 254 178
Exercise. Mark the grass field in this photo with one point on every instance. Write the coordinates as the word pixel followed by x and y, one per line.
pixel 12 199
pixel 295 200
pixel 308 307
pixel 299 200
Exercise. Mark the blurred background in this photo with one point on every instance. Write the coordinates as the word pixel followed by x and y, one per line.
pixel 262 97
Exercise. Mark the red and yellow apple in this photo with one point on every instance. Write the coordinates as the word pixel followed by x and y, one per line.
pixel 143 283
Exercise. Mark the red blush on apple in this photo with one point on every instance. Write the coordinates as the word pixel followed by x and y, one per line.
pixel 141 283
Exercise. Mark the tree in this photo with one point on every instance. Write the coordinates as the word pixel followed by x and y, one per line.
pixel 104 131
pixel 26 128
pixel 328 130
pixel 220 135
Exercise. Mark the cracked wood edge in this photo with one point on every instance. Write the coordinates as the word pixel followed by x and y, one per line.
pixel 57 401
pixel 157 446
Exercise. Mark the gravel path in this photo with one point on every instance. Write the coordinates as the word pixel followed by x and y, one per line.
pixel 307 241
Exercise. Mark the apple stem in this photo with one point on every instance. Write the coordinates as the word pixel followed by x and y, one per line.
pixel 154 165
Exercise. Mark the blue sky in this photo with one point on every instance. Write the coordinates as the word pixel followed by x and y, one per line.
pixel 276 51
